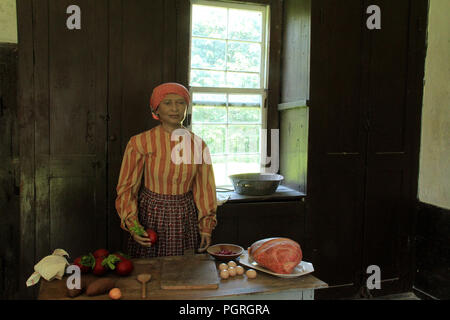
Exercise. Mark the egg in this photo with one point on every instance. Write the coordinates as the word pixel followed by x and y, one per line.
pixel 232 264
pixel 224 274
pixel 232 271
pixel 239 270
pixel 223 266
pixel 251 273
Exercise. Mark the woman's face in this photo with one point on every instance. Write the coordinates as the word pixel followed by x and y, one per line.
pixel 172 109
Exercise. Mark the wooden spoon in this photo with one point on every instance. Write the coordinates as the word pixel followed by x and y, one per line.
pixel 144 278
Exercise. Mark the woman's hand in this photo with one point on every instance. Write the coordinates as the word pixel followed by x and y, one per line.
pixel 205 243
pixel 143 240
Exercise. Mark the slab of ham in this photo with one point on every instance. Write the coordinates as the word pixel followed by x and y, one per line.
pixel 280 255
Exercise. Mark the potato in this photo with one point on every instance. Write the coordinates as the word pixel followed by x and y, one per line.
pixel 85 281
pixel 100 286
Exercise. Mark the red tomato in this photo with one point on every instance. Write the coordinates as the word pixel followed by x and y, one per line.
pixel 152 235
pixel 84 262
pixel 119 256
pixel 99 269
pixel 100 253
pixel 124 267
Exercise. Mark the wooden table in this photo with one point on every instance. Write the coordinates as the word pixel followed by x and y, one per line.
pixel 265 286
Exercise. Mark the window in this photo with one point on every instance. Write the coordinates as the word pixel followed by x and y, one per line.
pixel 228 80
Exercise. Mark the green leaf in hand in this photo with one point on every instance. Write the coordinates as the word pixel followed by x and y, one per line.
pixel 137 229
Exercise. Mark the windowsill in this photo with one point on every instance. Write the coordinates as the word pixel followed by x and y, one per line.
pixel 283 193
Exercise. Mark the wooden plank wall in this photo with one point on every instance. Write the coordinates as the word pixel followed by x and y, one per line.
pixel 82 95
pixel 9 173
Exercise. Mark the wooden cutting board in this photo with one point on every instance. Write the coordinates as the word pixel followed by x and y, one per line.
pixel 189 272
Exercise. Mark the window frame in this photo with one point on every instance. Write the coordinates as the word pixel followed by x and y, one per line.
pixel 270 114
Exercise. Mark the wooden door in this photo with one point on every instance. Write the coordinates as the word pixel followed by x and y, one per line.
pixel 393 139
pixel 337 142
pixel 63 101
pixel 366 90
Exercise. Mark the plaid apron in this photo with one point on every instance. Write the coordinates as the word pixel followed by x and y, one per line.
pixel 173 217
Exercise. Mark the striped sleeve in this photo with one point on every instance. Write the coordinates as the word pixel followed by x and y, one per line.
pixel 204 191
pixel 128 186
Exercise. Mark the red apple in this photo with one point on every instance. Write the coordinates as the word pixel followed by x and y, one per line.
pixel 152 235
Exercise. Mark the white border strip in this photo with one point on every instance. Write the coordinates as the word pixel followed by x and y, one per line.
pixel 293 105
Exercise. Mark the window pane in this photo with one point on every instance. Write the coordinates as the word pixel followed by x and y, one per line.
pixel 227 46
pixel 209 99
pixel 236 115
pixel 209 22
pixel 208 54
pixel 243 164
pixel 203 78
pixel 244 56
pixel 243 138
pixel 244 100
pixel 242 80
pixel 220 170
pixel 213 135
pixel 245 25
pixel 209 114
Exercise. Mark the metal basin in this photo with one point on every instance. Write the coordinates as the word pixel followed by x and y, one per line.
pixel 256 184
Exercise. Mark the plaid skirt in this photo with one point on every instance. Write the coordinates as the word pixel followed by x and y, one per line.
pixel 173 217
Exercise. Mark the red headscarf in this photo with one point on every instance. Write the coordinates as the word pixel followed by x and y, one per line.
pixel 161 91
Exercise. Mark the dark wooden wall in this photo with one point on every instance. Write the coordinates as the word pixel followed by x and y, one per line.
pixel 432 253
pixel 9 173
pixel 246 223
pixel 149 44
pixel 82 95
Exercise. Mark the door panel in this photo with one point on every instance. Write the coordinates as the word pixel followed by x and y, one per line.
pixel 70 131
pixel 336 111
pixel 337 141
pixel 388 74
pixel 388 197
pixel 383 223
pixel 335 220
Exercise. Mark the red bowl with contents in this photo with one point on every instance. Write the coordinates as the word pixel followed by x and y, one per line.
pixel 225 251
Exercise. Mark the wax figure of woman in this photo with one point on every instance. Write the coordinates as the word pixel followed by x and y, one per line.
pixel 177 199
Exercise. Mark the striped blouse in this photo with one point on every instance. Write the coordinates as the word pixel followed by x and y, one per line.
pixel 148 158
